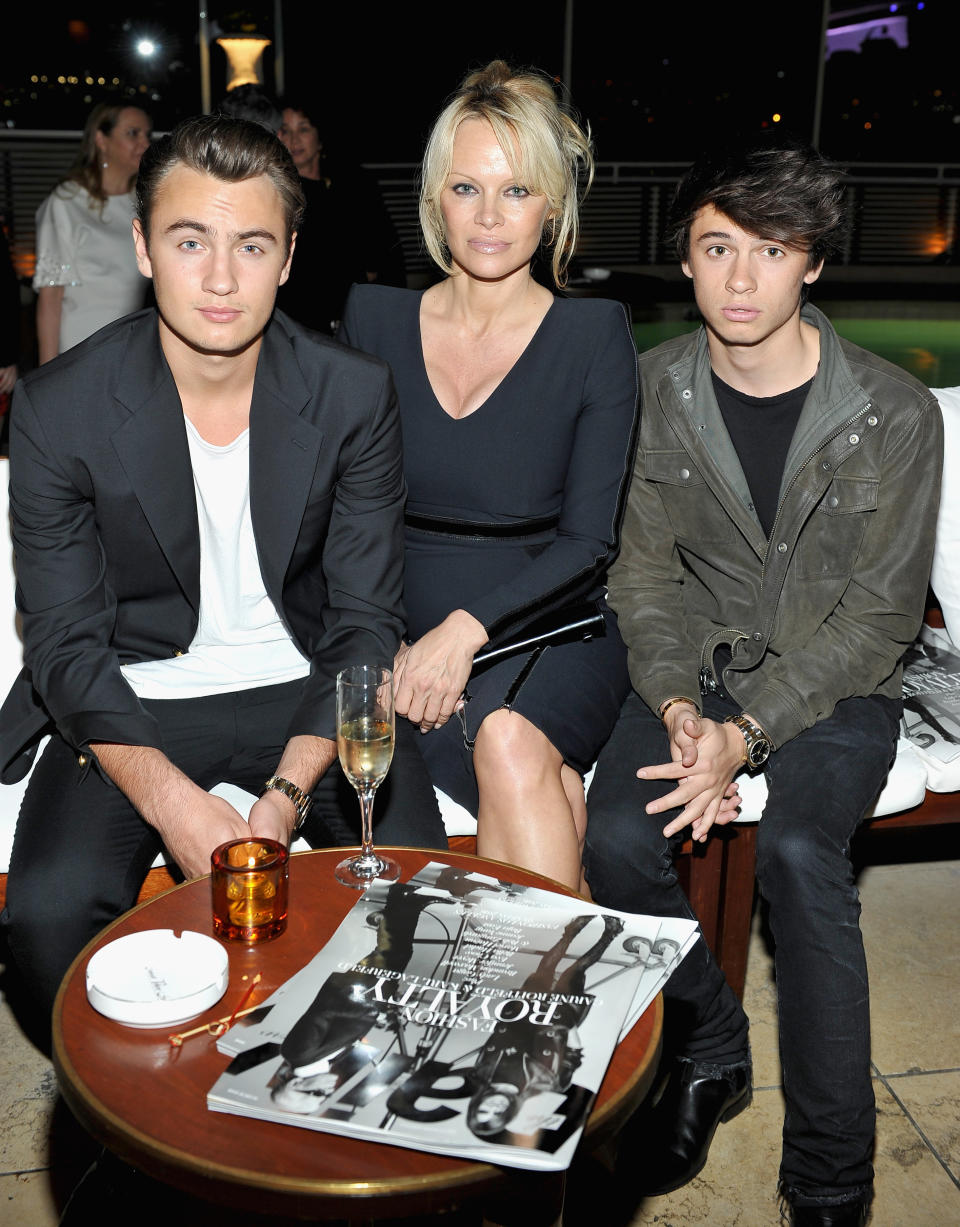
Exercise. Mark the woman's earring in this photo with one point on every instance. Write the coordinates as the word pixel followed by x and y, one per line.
pixel 104 165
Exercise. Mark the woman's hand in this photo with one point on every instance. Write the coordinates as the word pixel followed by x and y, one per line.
pixel 429 676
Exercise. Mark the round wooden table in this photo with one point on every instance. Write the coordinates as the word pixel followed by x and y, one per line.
pixel 146 1101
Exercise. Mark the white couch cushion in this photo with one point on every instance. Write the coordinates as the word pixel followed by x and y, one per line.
pixel 904 788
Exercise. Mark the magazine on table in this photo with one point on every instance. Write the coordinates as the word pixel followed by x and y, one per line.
pixel 662 940
pixel 453 1014
pixel 273 1018
pixel 931 696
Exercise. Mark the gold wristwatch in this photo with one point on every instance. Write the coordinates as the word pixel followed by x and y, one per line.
pixel 756 742
pixel 301 800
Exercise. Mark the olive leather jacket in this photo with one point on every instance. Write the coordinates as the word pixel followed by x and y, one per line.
pixel 823 610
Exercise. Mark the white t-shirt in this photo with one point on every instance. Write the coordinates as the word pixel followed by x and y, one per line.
pixel 90 253
pixel 240 640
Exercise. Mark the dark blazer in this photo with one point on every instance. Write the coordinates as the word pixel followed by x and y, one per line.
pixel 105 528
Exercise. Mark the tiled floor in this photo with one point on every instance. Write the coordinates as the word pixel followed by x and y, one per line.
pixel 910 921
pixel 912 933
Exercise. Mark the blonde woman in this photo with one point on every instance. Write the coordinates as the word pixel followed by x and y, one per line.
pixel 518 409
pixel 86 274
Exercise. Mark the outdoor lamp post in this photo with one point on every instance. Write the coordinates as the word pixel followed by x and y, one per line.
pixel 244 53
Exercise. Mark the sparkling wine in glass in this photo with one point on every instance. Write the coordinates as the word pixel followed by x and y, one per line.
pixel 365 735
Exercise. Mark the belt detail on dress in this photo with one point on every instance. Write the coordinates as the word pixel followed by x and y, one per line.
pixel 469 528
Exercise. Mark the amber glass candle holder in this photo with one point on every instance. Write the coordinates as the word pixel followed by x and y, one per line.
pixel 249 882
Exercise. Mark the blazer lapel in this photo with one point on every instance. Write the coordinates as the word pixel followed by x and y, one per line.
pixel 284 448
pixel 152 448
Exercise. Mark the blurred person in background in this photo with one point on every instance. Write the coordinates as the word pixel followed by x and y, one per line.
pixel 86 273
pixel 346 236
pixel 9 321
pixel 250 102
pixel 9 334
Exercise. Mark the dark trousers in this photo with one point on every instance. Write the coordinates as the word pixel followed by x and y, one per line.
pixel 81 851
pixel 820 784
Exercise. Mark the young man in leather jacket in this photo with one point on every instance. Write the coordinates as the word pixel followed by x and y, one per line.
pixel 774 564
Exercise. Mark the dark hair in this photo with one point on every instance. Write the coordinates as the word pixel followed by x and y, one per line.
pixel 307 107
pixel 86 169
pixel 250 102
pixel 784 190
pixel 228 149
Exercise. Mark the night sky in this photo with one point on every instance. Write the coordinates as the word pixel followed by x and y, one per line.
pixel 658 84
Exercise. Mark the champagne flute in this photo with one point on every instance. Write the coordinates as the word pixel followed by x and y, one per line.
pixel 365 735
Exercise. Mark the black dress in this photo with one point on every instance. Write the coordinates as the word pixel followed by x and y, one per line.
pixel 514 511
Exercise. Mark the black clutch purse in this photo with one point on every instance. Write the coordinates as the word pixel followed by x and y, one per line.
pixel 580 621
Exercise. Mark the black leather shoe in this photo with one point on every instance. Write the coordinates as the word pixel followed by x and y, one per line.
pixel 847 1214
pixel 675 1136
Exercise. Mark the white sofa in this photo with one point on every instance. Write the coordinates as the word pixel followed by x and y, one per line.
pixel 906 784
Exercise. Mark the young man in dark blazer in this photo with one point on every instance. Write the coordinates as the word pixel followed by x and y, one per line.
pixel 206 504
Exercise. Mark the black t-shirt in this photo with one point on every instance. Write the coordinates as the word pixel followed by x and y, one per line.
pixel 761 429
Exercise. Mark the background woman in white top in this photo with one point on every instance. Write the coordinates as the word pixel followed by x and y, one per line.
pixel 86 272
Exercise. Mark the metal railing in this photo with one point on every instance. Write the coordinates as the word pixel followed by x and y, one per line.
pixel 902 214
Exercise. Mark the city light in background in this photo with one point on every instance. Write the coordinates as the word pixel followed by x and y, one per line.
pixel 653 83
pixel 875 85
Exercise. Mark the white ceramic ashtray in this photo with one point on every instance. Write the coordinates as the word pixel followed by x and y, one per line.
pixel 596 274
pixel 156 979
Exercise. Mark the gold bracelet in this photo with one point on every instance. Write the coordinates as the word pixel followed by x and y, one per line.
pixel 679 699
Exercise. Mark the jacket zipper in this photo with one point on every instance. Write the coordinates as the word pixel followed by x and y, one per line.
pixel 708 682
pixel 708 678
pixel 839 431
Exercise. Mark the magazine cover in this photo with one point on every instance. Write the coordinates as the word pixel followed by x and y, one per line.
pixel 270 1021
pixel 470 1024
pixel 661 941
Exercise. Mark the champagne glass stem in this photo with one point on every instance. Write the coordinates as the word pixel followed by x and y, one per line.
pixel 366 796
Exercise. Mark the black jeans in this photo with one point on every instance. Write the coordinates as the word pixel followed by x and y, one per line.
pixel 81 851
pixel 820 784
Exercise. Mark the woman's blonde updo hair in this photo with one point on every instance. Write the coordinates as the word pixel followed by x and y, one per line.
pixel 547 150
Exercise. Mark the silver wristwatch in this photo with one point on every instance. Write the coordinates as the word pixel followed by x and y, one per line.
pixel 301 800
pixel 756 742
